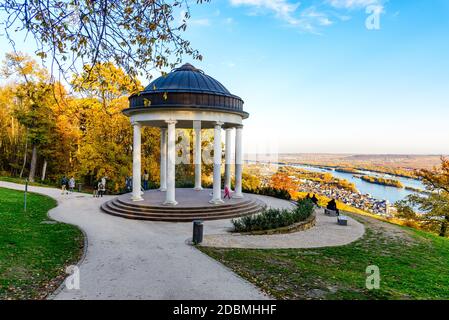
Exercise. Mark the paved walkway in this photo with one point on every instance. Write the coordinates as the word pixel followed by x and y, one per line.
pixel 326 233
pixel 129 259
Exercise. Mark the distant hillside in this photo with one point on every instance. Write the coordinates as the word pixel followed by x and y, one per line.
pixel 393 161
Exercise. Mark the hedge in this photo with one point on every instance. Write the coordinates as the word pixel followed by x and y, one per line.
pixel 274 218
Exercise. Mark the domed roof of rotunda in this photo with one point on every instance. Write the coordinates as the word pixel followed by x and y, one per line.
pixel 187 87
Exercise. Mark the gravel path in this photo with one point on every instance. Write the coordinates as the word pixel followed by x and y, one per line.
pixel 129 259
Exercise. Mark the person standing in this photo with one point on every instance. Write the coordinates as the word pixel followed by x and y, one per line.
pixel 64 182
pixel 129 184
pixel 146 177
pixel 101 188
pixel 95 193
pixel 103 182
pixel 72 184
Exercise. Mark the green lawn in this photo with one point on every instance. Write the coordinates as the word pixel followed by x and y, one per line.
pixel 22 181
pixel 413 265
pixel 33 255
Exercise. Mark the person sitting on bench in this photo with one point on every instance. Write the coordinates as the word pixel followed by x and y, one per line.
pixel 332 205
pixel 315 200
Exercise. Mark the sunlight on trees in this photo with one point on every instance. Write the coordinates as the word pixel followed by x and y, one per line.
pixel 45 130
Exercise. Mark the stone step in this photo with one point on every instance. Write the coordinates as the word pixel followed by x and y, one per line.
pixel 251 207
pixel 168 218
pixel 138 204
pixel 175 209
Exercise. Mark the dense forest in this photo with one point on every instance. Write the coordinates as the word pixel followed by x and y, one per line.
pixel 48 130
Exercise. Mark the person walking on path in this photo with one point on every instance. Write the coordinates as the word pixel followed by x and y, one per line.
pixel 64 183
pixel 227 193
pixel 146 177
pixel 129 184
pixel 72 184
pixel 95 193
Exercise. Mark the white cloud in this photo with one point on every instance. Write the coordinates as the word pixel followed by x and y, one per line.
pixel 353 4
pixel 311 18
pixel 306 20
pixel 282 8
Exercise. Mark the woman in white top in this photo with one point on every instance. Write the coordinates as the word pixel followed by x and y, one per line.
pixel 72 184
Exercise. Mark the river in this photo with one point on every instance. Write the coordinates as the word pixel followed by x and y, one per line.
pixel 376 191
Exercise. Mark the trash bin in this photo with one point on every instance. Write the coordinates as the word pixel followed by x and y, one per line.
pixel 197 232
pixel 79 187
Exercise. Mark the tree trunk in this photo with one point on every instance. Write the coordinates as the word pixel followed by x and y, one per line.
pixel 24 154
pixel 44 170
pixel 12 130
pixel 443 228
pixel 33 164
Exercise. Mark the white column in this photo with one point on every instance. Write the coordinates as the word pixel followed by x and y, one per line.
pixel 163 167
pixel 238 163
pixel 216 195
pixel 137 196
pixel 197 154
pixel 171 158
pixel 228 155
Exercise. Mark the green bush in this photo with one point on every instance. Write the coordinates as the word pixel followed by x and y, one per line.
pixel 274 218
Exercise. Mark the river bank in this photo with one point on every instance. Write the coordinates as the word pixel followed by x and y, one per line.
pixel 371 197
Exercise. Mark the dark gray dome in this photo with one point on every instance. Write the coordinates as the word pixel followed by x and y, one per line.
pixel 187 87
pixel 187 79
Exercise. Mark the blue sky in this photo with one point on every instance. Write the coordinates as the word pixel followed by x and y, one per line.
pixel 315 79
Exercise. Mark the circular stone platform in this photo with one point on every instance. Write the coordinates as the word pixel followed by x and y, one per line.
pixel 192 205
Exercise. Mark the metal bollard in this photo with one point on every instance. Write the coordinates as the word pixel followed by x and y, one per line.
pixel 80 187
pixel 25 196
pixel 197 232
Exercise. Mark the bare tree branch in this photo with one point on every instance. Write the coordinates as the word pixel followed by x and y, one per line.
pixel 136 35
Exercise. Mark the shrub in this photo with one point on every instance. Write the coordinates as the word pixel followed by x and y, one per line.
pixel 274 218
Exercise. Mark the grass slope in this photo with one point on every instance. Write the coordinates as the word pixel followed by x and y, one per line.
pixel 33 255
pixel 22 181
pixel 413 265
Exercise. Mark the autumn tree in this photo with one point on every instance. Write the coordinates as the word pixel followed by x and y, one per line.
pixel 250 181
pixel 434 206
pixel 106 135
pixel 35 95
pixel 61 153
pixel 10 132
pixel 283 181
